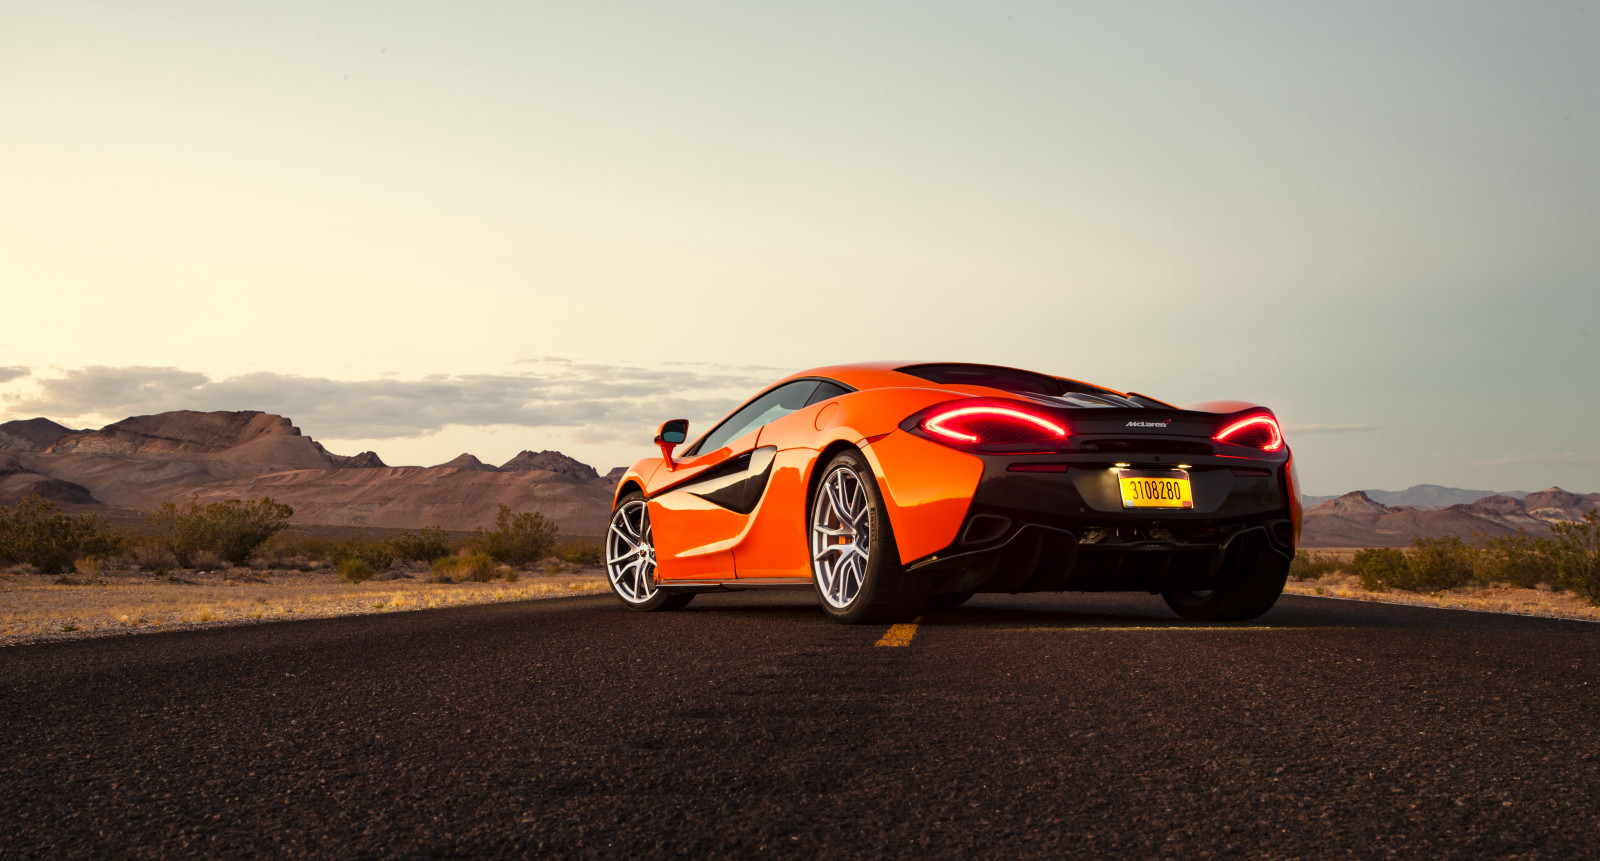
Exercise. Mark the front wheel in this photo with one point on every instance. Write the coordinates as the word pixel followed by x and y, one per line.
pixel 854 560
pixel 631 559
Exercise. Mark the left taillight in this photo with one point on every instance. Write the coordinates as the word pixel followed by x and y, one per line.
pixel 989 425
pixel 1260 432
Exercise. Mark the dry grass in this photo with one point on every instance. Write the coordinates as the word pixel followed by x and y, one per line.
pixel 33 607
pixel 1499 598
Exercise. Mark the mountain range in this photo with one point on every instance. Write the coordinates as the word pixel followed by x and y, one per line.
pixel 1357 520
pixel 1423 496
pixel 135 464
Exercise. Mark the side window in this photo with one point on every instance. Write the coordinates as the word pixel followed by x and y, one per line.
pixel 826 390
pixel 774 404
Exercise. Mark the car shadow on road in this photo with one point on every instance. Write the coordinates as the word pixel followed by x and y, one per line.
pixel 1070 611
pixel 1125 613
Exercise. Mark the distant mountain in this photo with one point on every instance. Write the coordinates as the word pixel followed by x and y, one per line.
pixel 32 434
pixel 1358 520
pixel 467 461
pixel 1424 496
pixel 552 461
pixel 139 462
pixel 364 460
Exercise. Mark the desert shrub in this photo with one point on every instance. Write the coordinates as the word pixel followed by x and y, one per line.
pixel 377 554
pixel 206 560
pixel 35 531
pixel 477 567
pixel 1515 559
pixel 313 547
pixel 232 529
pixel 1379 568
pixel 582 553
pixel 1437 564
pixel 355 569
pixel 1576 554
pixel 147 552
pixel 1306 565
pixel 273 553
pixel 517 539
pixel 89 566
pixel 424 545
pixel 300 552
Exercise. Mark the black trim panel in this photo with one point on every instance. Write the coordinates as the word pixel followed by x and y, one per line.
pixel 787 584
pixel 736 484
pixel 740 492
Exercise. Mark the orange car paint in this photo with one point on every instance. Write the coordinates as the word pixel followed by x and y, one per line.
pixel 681 521
pixel 926 487
pixel 774 542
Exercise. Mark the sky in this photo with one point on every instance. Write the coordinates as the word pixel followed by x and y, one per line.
pixel 429 228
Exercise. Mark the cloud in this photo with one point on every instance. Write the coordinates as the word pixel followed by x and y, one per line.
pixel 602 401
pixel 1301 430
pixel 13 372
pixel 1566 458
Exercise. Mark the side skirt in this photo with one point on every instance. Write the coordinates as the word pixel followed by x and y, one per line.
pixel 788 584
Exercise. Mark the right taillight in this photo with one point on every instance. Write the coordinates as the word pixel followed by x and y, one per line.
pixel 1260 432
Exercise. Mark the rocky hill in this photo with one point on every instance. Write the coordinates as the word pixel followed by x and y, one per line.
pixel 467 461
pixel 552 461
pixel 32 434
pixel 1425 496
pixel 1357 520
pixel 139 462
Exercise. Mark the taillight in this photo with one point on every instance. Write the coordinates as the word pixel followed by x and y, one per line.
pixel 990 425
pixel 1254 432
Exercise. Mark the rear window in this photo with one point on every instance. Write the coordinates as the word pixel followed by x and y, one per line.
pixel 1004 379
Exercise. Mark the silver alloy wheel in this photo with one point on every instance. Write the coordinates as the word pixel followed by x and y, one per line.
pixel 631 553
pixel 841 537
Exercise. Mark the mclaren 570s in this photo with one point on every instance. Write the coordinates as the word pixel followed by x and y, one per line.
pixel 889 488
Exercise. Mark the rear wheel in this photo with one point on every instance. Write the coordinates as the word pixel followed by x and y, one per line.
pixel 854 560
pixel 1243 599
pixel 631 559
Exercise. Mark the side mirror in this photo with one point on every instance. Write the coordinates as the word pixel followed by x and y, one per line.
pixel 670 436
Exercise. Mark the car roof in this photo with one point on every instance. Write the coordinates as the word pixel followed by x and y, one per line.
pixel 886 374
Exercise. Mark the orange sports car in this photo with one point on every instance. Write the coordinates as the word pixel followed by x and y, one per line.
pixel 891 487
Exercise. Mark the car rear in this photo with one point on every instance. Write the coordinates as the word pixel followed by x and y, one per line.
pixel 1097 491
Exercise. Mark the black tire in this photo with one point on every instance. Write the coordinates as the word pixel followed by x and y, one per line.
pixel 1246 598
pixel 883 591
pixel 630 559
pixel 946 600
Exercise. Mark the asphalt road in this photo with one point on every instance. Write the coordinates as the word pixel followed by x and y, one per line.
pixel 1032 726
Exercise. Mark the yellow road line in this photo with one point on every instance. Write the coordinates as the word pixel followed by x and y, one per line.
pixel 1207 629
pixel 899 635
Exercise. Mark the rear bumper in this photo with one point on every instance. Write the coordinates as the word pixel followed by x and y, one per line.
pixel 1067 530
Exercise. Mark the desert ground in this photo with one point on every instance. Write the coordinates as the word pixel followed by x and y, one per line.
pixel 1494 598
pixel 44 607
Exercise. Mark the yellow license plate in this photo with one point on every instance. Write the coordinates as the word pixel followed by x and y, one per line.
pixel 1155 488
